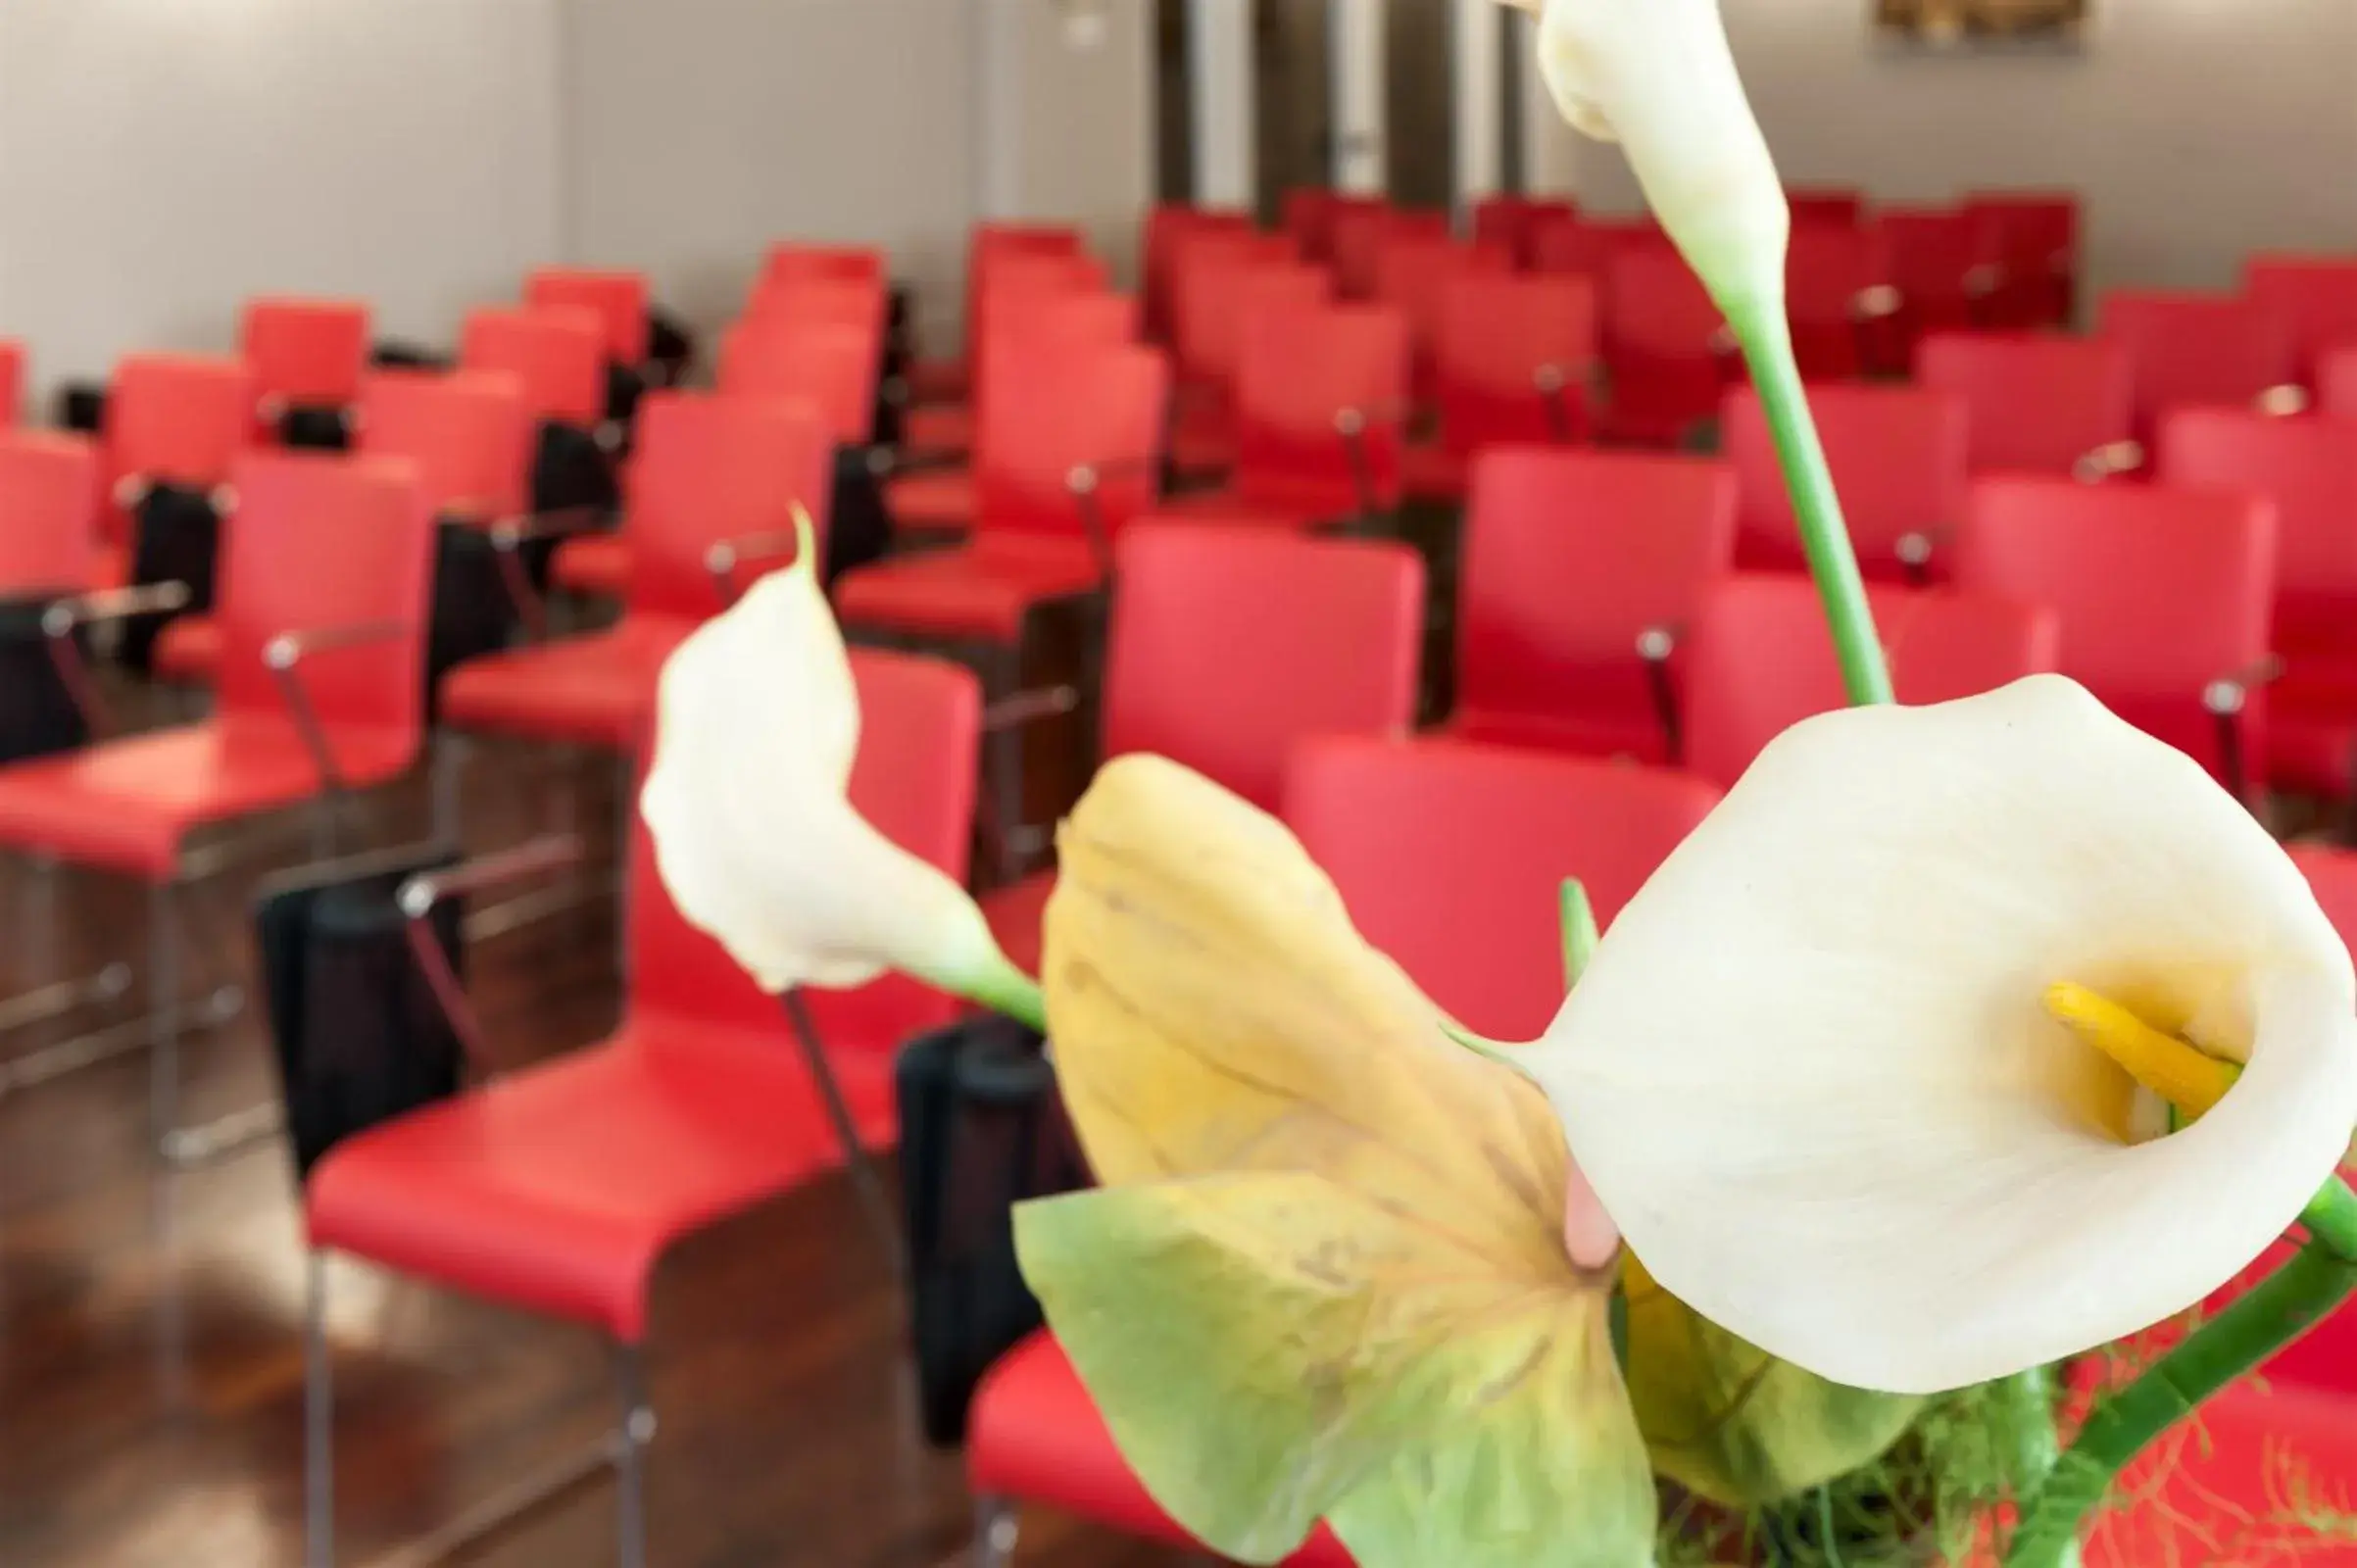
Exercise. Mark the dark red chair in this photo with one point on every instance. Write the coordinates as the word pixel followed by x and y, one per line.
pixel 2336 380
pixel 800 258
pixel 1020 321
pixel 1572 559
pixel 2308 468
pixel 323 608
pixel 12 381
pixel 796 299
pixel 558 1189
pixel 989 250
pixel 1897 456
pixel 2164 596
pixel 1321 402
pixel 2197 349
pixel 2314 296
pixel 1230 644
pixel 171 419
pixel 1837 205
pixel 831 368
pixel 555 354
pixel 303 353
pixel 1307 214
pixel 1839 296
pixel 2031 240
pixel 1413 274
pixel 1759 659
pixel 713 494
pixel 1510 223
pixel 617 299
pixel 1571 242
pixel 1668 355
pixel 2037 403
pixel 1356 233
pixel 1450 858
pixel 1934 261
pixel 1170 229
pixel 50 495
pixel 1218 293
pixel 1513 361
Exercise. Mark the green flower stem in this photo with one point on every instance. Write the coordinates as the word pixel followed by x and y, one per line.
pixel 2260 1322
pixel 1002 988
pixel 1579 930
pixel 1767 343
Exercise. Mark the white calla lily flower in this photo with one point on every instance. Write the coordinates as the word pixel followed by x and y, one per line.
pixel 1816 1073
pixel 754 834
pixel 1656 76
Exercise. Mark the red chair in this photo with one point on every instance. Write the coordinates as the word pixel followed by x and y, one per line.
pixel 1567 242
pixel 1020 321
pixel 50 494
pixel 1306 214
pixel 2308 468
pixel 557 355
pixel 1169 227
pixel 2197 349
pixel 1228 645
pixel 712 493
pixel 2316 297
pixel 1934 261
pixel 1667 351
pixel 304 354
pixel 324 586
pixel 1321 398
pixel 1510 223
pixel 815 300
pixel 1571 560
pixel 2030 239
pixel 1413 274
pixel 1355 234
pixel 617 299
pixel 828 367
pixel 1514 359
pixel 12 381
pixel 2164 597
pixel 1838 294
pixel 171 419
pixel 2336 380
pixel 558 1189
pixel 1837 205
pixel 1759 659
pixel 988 252
pixel 1450 858
pixel 795 259
pixel 1897 456
pixel 2038 403
pixel 1217 295
pixel 467 434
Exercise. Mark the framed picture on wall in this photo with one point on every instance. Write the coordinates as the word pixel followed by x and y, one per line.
pixel 1982 23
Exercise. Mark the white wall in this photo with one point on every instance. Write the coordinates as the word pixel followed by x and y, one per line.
pixel 166 157
pixel 2197 129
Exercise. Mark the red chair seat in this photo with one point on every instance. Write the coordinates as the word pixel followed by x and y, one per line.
pixel 596 690
pixel 944 427
pixel 1035 1434
pixel 559 1188
pixel 1436 473
pixel 1602 733
pixel 982 590
pixel 935 380
pixel 188 651
pixel 130 804
pixel 938 500
pixel 1015 915
pixel 596 564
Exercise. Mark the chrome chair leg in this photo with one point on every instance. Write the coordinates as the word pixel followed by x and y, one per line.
pixel 451 755
pixel 631 1437
pixel 996 1527
pixel 318 1420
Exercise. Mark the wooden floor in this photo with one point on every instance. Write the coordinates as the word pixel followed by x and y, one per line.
pixel 151 1388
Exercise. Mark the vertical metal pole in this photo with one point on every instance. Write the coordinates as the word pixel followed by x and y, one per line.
pixel 629 1474
pixel 1477 31
pixel 1357 39
pixel 450 774
pixel 1221 79
pixel 318 1419
pixel 995 1532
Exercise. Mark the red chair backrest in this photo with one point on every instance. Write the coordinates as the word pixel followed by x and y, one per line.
pixel 50 494
pixel 2035 402
pixel 1412 275
pixel 1829 270
pixel 1837 205
pixel 1303 368
pixel 796 261
pixel 319 541
pixel 305 351
pixel 2161 591
pixel 467 434
pixel 1497 337
pixel 708 469
pixel 1042 414
pixel 1897 456
pixel 1660 336
pixel 617 299
pixel 1217 292
pixel 12 381
pixel 1510 223
pixel 2336 380
pixel 832 366
pixel 2197 349
pixel 1760 659
pixel 557 355
pixel 1229 644
pixel 813 301
pixel 1569 557
pixel 913 779
pixel 2308 467
pixel 176 419
pixel 1018 257
pixel 2032 241
pixel 1308 214
pixel 1567 242
pixel 1356 236
pixel 2316 296
pixel 1934 257
pixel 1169 230
pixel 1452 858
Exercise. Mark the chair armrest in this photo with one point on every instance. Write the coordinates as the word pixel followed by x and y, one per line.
pixel 419 896
pixel 64 618
pixel 1655 645
pixel 509 535
pixel 1029 707
pixel 886 464
pixel 1915 549
pixel 1082 482
pixel 1877 302
pixel 2116 458
pixel 1982 280
pixel 1352 424
pixel 283 655
pixel 1553 383
pixel 2282 402
pixel 2225 698
pixel 723 559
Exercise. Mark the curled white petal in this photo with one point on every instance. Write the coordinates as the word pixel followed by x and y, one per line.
pixel 1657 77
pixel 1809 1073
pixel 757 841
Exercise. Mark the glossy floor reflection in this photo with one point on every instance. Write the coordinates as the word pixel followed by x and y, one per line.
pixel 151 1324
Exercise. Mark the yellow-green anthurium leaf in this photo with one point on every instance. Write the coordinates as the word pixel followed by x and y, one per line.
pixel 1729 1422
pixel 1327 1275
